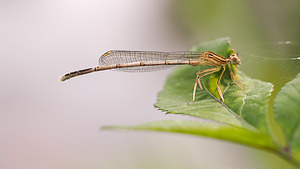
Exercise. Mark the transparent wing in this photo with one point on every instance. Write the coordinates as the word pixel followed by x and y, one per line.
pixel 119 57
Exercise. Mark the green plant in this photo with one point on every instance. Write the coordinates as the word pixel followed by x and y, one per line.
pixel 242 118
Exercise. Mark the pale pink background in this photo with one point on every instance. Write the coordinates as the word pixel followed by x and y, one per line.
pixel 48 124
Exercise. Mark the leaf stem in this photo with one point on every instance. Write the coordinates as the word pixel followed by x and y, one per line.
pixel 285 155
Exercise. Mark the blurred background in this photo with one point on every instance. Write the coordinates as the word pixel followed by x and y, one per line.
pixel 45 123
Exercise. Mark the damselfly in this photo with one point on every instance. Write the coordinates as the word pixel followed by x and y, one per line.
pixel 141 61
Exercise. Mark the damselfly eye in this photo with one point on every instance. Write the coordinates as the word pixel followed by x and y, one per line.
pixel 235 59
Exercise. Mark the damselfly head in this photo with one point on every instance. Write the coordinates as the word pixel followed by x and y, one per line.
pixel 235 60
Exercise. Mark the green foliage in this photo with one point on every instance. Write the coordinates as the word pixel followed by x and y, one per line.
pixel 209 129
pixel 242 118
pixel 287 114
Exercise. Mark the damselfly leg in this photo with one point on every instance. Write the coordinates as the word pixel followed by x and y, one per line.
pixel 209 71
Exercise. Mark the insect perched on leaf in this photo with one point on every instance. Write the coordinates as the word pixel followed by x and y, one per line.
pixel 141 61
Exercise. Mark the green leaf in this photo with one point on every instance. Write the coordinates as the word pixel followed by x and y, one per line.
pixel 205 128
pixel 239 109
pixel 242 118
pixel 287 115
